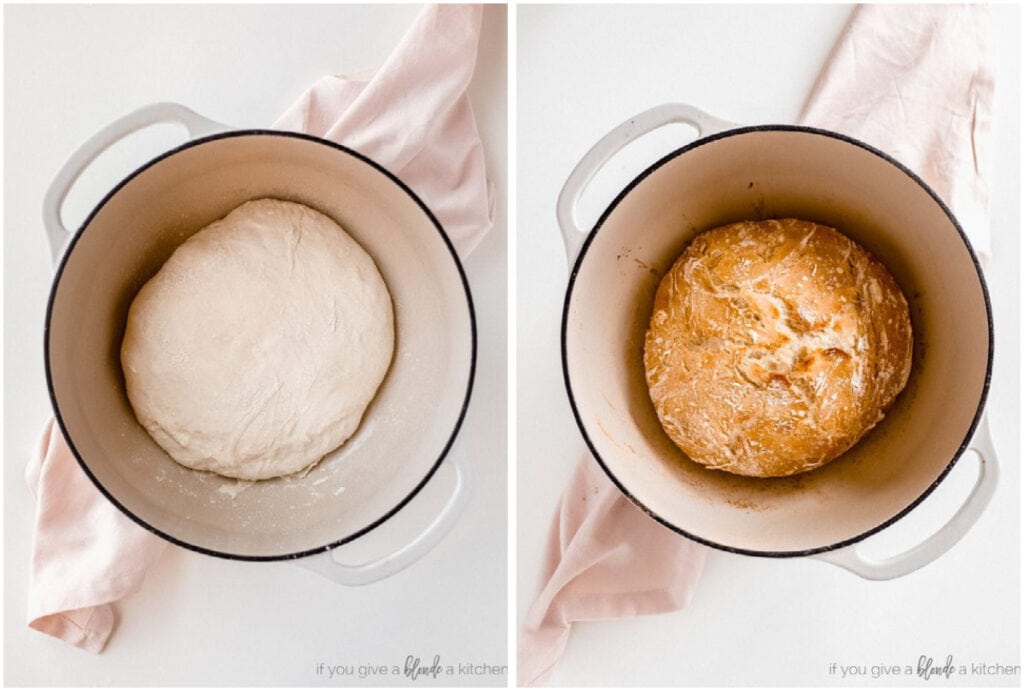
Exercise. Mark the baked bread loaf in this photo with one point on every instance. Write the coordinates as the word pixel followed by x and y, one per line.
pixel 774 346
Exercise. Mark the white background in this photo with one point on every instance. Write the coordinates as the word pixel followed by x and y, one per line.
pixel 580 72
pixel 69 70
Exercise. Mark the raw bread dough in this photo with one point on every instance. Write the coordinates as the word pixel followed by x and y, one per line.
pixel 257 347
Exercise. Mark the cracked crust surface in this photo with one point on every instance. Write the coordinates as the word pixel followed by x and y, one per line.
pixel 774 346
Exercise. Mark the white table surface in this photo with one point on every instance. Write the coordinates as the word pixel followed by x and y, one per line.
pixel 583 70
pixel 69 70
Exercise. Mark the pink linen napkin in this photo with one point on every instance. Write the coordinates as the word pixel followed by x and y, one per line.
pixel 605 559
pixel 914 81
pixel 917 82
pixel 413 116
pixel 85 553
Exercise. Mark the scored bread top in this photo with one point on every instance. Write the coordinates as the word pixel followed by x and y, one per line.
pixel 774 346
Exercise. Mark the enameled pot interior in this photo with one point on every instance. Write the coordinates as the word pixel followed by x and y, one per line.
pixel 406 430
pixel 773 173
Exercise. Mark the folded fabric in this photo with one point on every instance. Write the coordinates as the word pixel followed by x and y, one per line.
pixel 913 81
pixel 413 116
pixel 605 559
pixel 918 82
pixel 85 553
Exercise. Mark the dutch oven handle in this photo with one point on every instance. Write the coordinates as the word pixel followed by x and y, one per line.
pixel 327 565
pixel 153 114
pixel 595 159
pixel 945 537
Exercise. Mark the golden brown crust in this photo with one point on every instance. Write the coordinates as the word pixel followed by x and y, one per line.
pixel 774 346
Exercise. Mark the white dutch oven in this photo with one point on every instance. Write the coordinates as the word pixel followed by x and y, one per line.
pixel 734 173
pixel 408 429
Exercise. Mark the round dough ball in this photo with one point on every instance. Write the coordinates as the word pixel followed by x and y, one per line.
pixel 257 347
pixel 774 346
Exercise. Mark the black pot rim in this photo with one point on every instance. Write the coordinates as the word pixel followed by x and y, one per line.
pixel 640 178
pixel 469 382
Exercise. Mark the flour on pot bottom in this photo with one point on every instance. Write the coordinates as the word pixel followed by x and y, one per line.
pixel 257 347
pixel 774 346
